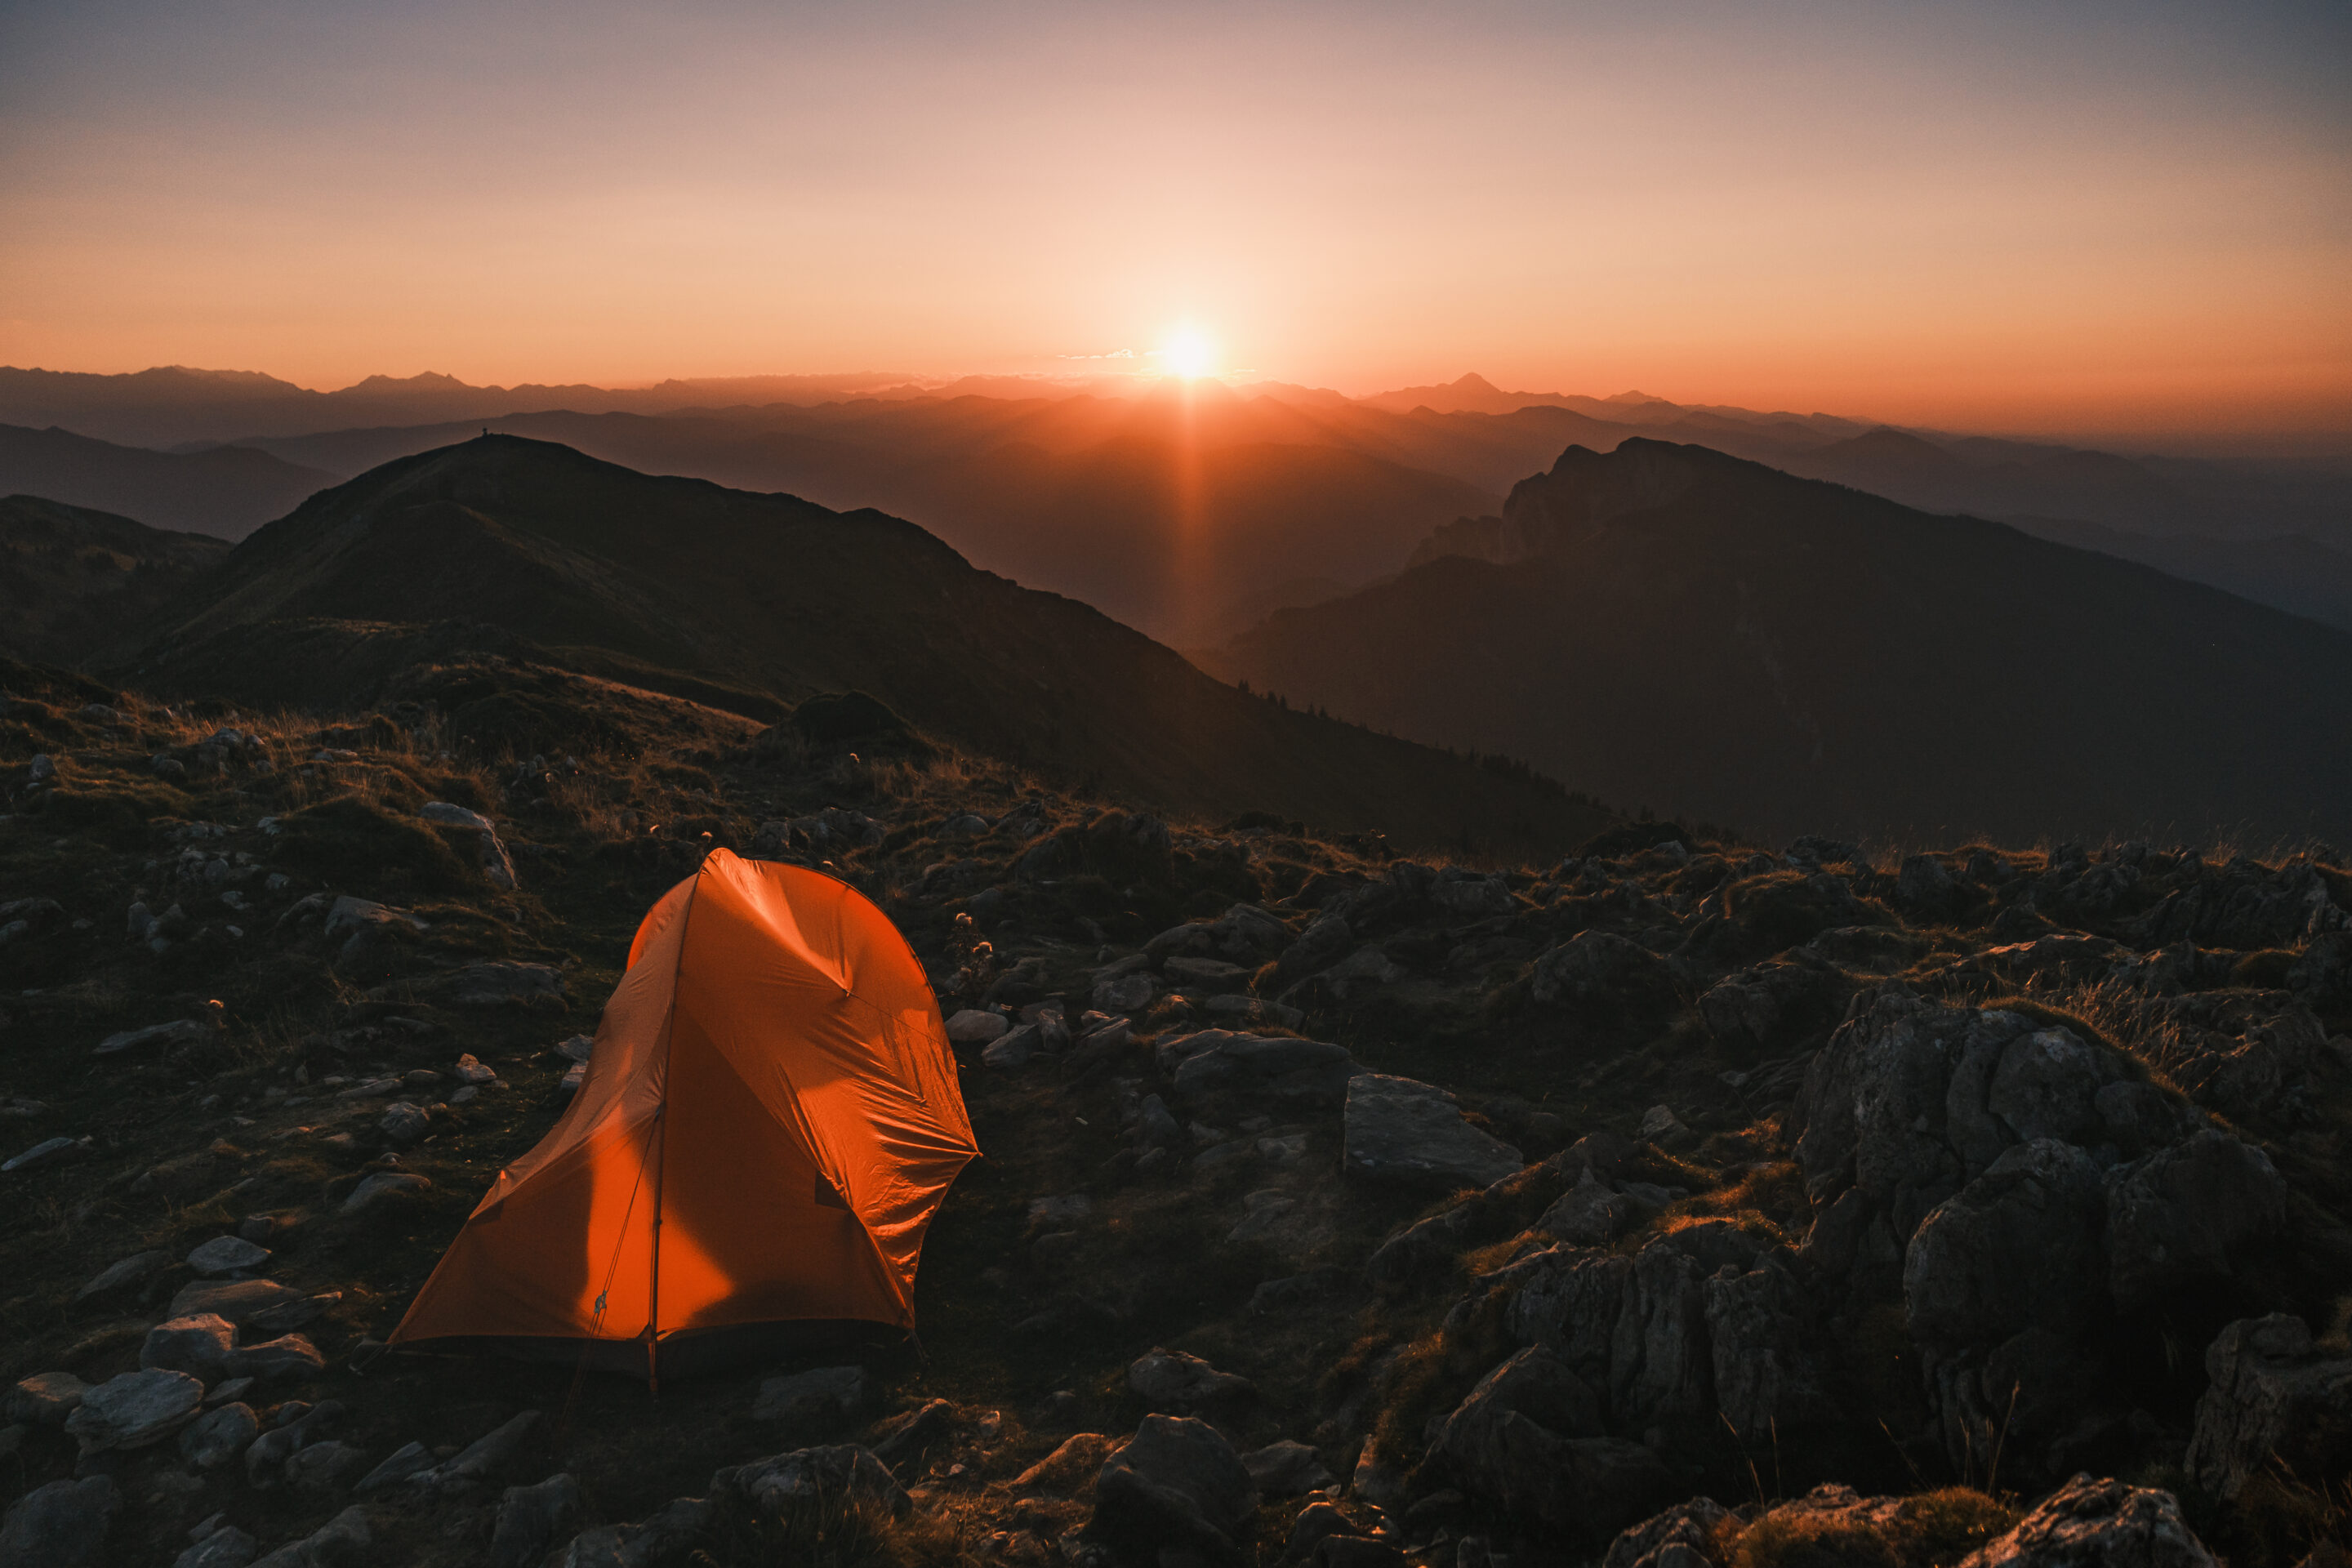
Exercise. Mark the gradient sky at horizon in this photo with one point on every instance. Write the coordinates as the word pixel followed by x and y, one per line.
pixel 2086 217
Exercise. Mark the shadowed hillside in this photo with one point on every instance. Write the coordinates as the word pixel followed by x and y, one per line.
pixel 771 597
pixel 1673 626
pixel 227 491
pixel 75 583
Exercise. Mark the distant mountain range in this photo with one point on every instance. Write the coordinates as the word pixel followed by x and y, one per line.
pixel 174 404
pixel 1670 625
pixel 227 491
pixel 1182 511
pixel 752 601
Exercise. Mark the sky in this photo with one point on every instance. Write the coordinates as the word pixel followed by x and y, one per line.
pixel 2058 216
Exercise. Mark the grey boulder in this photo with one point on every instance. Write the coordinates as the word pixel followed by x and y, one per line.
pixel 530 1517
pixel 1176 1483
pixel 1401 1132
pixel 2089 1523
pixel 2018 1246
pixel 1166 1379
pixel 826 1393
pixel 2268 1393
pixel 134 1410
pixel 60 1525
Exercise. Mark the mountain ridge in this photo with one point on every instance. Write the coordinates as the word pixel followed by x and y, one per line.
pixel 1671 627
pixel 778 595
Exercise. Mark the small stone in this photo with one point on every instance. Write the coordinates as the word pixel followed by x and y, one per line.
pixel 528 1518
pixel 1168 1379
pixel 408 1462
pixel 1403 1131
pixel 226 1254
pixel 239 1300
pixel 405 1123
pixel 1287 1469
pixel 470 1071
pixel 228 1390
pixel 322 1466
pixel 121 1276
pixel 1069 1468
pixel 975 1027
pixel 381 1186
pixel 1012 1050
pixel 199 1344
pixel 337 1541
pixel 226 1547
pixel 180 1032
pixel 826 1395
pixel 60 1525
pixel 289 1355
pixel 48 1151
pixel 218 1436
pixel 45 1398
pixel 486 1454
pixel 134 1410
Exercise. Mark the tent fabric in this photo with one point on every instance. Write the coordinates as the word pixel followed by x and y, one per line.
pixel 769 1120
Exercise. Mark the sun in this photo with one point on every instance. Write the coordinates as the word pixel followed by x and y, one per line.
pixel 1187 353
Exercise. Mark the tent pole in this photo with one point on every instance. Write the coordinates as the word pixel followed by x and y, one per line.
pixel 652 1290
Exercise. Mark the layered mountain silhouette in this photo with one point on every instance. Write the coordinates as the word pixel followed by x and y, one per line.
pixel 173 405
pixel 1671 626
pixel 1175 510
pixel 77 581
pixel 753 600
pixel 227 491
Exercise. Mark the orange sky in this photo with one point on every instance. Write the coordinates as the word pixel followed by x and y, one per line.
pixel 2100 217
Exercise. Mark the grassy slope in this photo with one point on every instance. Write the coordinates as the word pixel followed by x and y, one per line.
pixel 785 597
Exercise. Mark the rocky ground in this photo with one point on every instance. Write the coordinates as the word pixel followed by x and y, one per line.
pixel 1676 1203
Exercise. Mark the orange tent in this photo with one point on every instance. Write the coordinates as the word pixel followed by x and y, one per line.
pixel 766 1123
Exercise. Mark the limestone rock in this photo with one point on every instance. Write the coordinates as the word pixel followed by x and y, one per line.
pixel 239 1300
pixel 2267 1395
pixel 1177 1482
pixel 340 1540
pixel 1685 1528
pixel 134 1410
pixel 384 1186
pixel 226 1254
pixel 528 1518
pixel 655 1543
pixel 322 1468
pixel 975 1027
pixel 45 1398
pixel 122 1275
pixel 2089 1523
pixel 776 1486
pixel 1401 1132
pixel 60 1525
pixel 1273 1071
pixel 226 1547
pixel 2181 1215
pixel 2018 1246
pixel 825 1394
pixel 218 1436
pixel 1069 1468
pixel 1166 1379
pixel 199 1344
pixel 1535 1386
pixel 1287 1468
